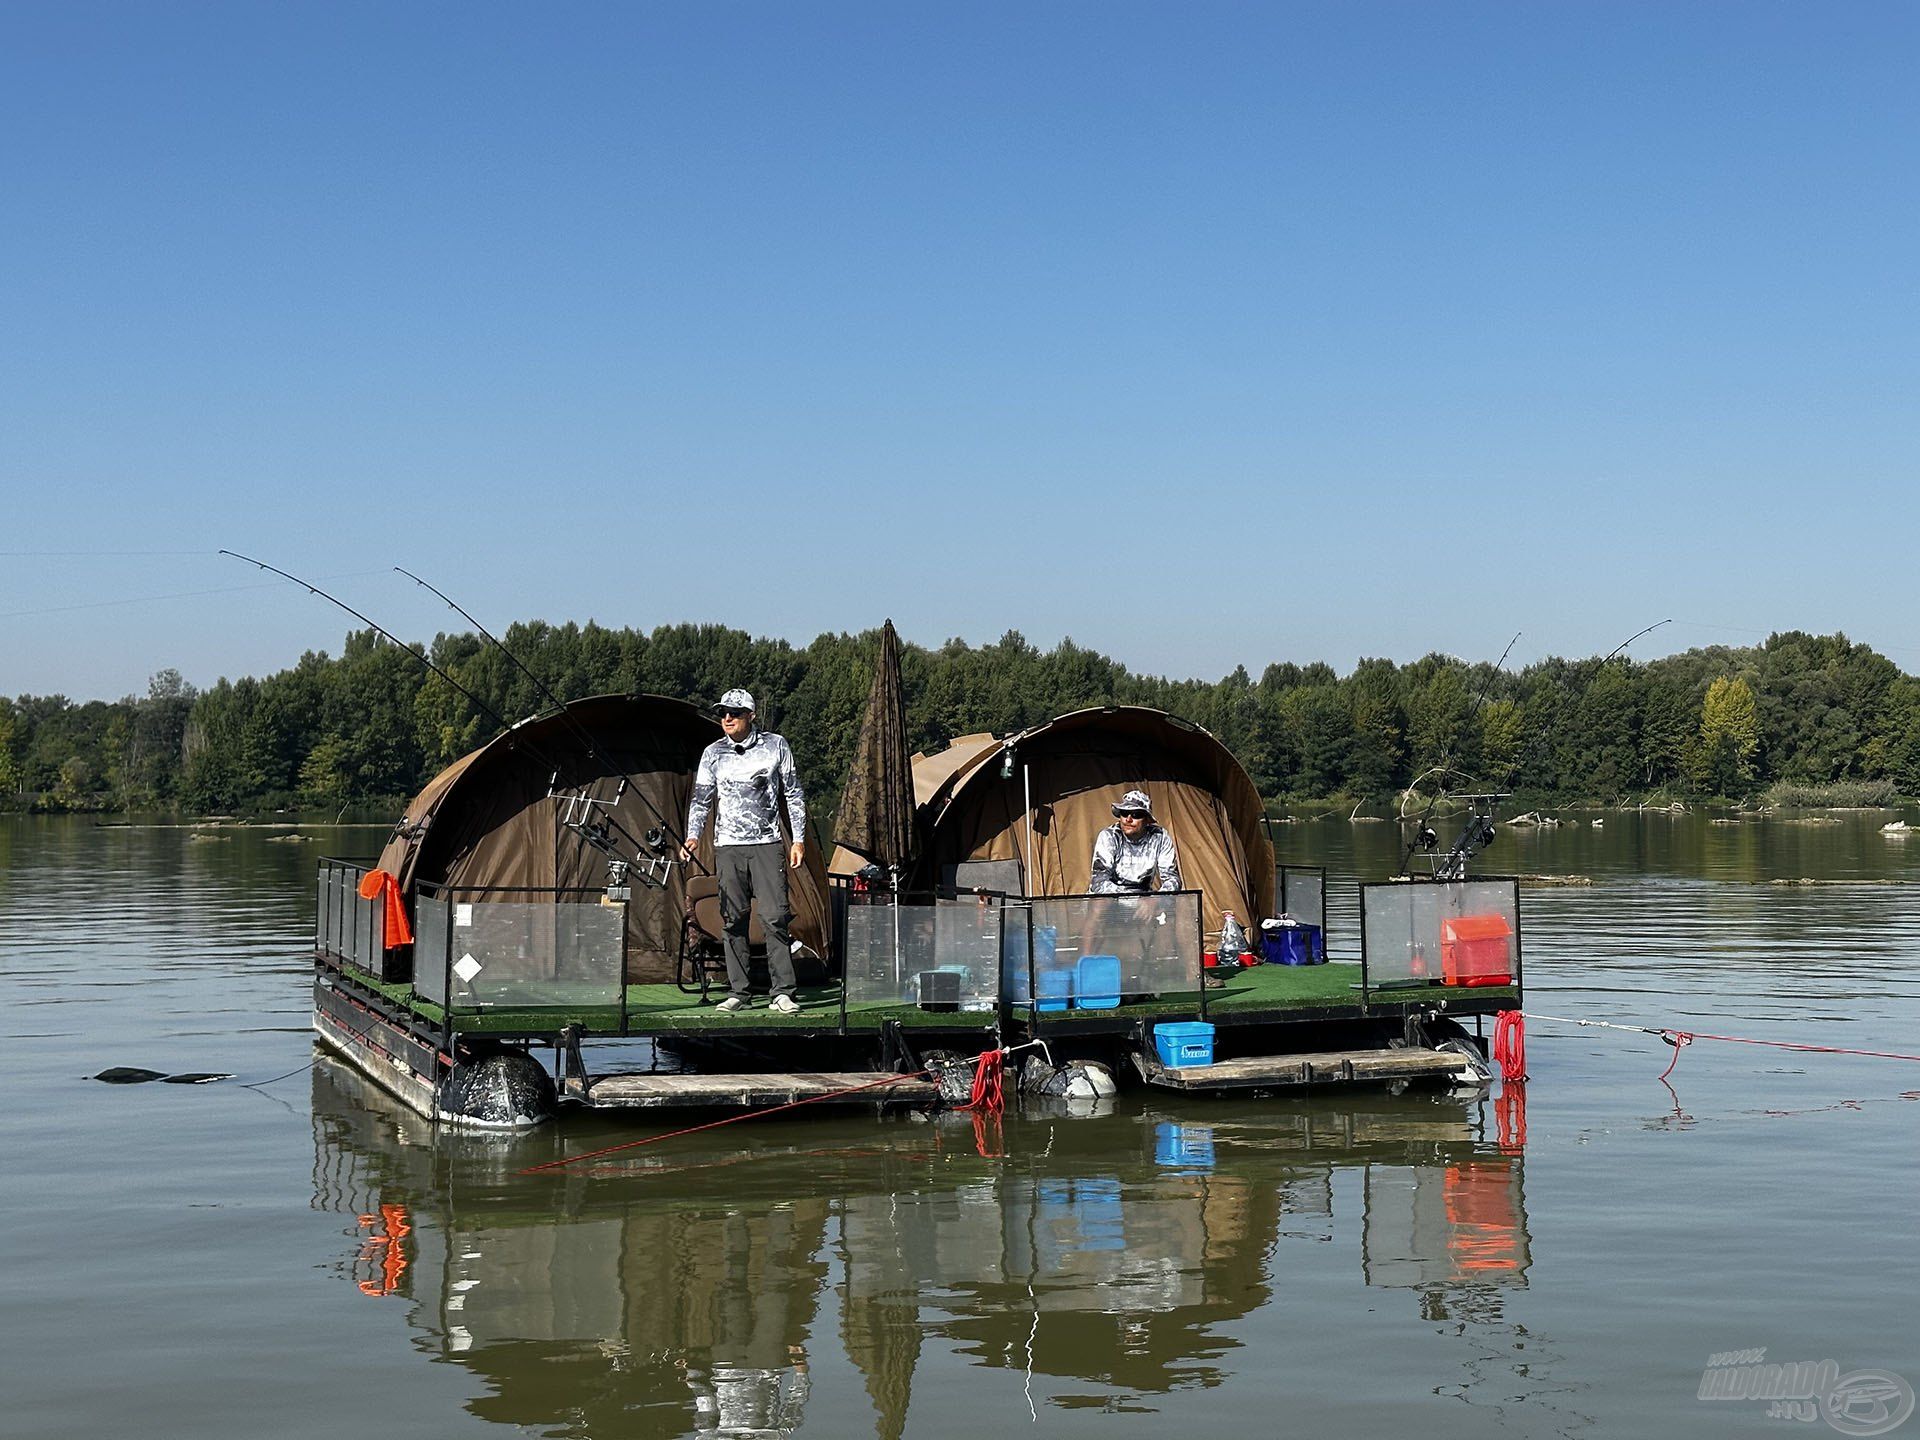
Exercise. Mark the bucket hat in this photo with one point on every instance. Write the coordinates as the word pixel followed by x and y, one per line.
pixel 1134 800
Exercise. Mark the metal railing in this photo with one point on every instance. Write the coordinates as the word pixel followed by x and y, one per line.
pixel 345 926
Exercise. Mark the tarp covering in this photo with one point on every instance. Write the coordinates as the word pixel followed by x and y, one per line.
pixel 486 820
pixel 1076 767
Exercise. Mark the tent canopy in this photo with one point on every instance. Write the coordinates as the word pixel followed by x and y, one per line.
pixel 487 822
pixel 1075 768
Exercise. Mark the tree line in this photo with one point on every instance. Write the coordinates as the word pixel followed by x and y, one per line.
pixel 1805 715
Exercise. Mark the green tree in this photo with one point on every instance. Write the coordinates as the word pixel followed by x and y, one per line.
pixel 9 768
pixel 1729 738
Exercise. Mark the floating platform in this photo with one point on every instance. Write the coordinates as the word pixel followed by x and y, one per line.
pixel 1316 1071
pixel 456 1024
pixel 746 1092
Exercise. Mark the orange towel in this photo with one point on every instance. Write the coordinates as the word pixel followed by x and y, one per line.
pixel 376 883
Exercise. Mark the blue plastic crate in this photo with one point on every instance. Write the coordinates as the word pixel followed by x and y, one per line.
pixel 1181 1043
pixel 1056 988
pixel 1097 984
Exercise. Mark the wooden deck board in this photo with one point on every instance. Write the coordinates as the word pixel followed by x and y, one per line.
pixel 686 1091
pixel 1329 1067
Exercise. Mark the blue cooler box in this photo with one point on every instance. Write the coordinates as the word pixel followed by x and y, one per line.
pixel 1292 945
pixel 1056 988
pixel 1182 1043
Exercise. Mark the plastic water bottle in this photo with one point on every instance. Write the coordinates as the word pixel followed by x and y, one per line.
pixel 1233 939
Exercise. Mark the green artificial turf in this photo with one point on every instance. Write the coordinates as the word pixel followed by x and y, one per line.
pixel 1304 987
pixel 665 1009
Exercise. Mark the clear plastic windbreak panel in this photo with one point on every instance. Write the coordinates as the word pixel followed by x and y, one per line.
pixel 555 954
pixel 890 947
pixel 1409 937
pixel 1155 939
pixel 431 921
pixel 1303 894
pixel 322 921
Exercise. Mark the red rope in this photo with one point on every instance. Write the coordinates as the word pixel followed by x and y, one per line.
pixel 1679 1040
pixel 986 1101
pixel 1687 1037
pixel 988 1095
pixel 1510 1045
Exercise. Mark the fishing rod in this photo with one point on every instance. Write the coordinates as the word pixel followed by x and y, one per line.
pixel 1546 734
pixel 1478 832
pixel 419 653
pixel 1423 836
pixel 585 735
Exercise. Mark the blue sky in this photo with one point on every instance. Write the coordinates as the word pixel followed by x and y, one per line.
pixel 1202 334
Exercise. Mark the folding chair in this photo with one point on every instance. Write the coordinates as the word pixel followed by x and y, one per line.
pixel 703 951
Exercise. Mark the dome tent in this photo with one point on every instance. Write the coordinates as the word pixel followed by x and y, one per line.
pixel 1073 769
pixel 487 821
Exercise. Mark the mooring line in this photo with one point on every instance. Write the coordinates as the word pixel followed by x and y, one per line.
pixel 1679 1039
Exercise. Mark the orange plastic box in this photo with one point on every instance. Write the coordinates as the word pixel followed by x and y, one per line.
pixel 1474 950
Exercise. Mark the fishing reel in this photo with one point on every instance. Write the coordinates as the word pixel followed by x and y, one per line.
pixel 1476 833
pixel 1476 828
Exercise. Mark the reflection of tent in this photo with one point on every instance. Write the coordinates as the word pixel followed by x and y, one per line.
pixel 486 820
pixel 1074 768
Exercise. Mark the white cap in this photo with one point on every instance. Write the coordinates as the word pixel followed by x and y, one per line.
pixel 736 699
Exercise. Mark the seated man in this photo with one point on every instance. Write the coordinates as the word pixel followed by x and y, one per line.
pixel 1132 856
pixel 1129 852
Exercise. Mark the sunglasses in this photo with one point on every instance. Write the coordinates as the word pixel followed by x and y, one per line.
pixel 736 714
pixel 1133 815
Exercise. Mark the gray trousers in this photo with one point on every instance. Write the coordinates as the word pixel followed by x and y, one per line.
pixel 749 873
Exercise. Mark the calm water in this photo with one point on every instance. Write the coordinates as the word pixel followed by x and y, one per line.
pixel 305 1259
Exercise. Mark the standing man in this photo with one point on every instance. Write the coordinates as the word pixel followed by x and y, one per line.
pixel 741 774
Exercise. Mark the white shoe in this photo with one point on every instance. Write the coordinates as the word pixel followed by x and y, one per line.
pixel 784 1005
pixel 732 1005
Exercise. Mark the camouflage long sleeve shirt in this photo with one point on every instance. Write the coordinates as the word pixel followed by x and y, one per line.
pixel 742 780
pixel 1124 867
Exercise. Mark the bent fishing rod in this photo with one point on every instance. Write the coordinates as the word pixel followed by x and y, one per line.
pixel 1546 734
pixel 573 721
pixel 1478 831
pixel 1422 835
pixel 419 653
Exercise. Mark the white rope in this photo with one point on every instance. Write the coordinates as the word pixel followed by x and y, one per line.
pixel 1597 1024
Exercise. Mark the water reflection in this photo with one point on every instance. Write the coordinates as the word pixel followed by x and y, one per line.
pixel 1104 1261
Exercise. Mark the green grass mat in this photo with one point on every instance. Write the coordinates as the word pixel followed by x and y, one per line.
pixel 664 1009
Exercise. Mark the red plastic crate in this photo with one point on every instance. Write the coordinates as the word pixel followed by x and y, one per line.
pixel 1476 950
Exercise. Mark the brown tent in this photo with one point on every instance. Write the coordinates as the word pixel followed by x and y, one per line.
pixel 1074 768
pixel 486 820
